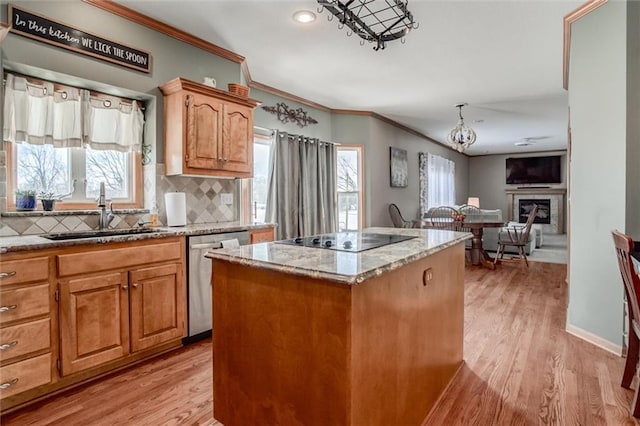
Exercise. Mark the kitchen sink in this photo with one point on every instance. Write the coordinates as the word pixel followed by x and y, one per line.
pixel 99 234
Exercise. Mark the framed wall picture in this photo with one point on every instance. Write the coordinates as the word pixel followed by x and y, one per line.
pixel 398 167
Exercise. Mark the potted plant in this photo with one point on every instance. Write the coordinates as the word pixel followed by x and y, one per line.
pixel 48 200
pixel 25 199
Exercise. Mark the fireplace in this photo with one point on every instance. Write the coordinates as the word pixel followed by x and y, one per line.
pixel 551 200
pixel 542 216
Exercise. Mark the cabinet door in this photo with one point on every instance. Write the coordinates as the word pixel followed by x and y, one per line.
pixel 94 320
pixel 158 305
pixel 237 147
pixel 204 132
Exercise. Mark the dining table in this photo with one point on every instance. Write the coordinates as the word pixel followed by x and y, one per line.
pixel 479 256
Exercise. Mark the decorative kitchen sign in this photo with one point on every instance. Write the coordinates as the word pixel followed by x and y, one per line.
pixel 43 29
pixel 286 114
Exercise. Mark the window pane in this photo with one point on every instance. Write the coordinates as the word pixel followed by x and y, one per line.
pixel 110 167
pixel 348 182
pixel 261 152
pixel 43 168
pixel 347 170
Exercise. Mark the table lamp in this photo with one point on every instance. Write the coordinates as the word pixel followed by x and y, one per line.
pixel 473 201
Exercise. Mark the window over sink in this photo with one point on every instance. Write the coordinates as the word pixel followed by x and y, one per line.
pixel 64 141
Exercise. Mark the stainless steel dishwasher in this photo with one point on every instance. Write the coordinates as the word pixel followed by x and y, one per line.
pixel 199 280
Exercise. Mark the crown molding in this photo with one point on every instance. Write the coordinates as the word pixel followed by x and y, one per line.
pixel 569 19
pixel 166 29
pixel 161 27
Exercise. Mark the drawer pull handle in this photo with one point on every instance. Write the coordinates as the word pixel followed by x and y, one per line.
pixel 7 274
pixel 8 384
pixel 7 308
pixel 5 346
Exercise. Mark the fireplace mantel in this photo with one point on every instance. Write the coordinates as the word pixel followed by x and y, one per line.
pixel 556 195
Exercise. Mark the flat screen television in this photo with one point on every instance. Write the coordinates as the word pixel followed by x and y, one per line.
pixel 533 170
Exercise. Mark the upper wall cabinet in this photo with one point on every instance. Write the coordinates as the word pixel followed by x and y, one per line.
pixel 208 132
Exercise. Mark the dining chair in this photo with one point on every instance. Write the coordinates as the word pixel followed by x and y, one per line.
pixel 442 218
pixel 397 219
pixel 624 246
pixel 516 236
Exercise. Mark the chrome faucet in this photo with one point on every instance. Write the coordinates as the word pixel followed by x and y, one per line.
pixel 105 217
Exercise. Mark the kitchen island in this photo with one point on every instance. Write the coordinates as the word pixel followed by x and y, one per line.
pixel 312 336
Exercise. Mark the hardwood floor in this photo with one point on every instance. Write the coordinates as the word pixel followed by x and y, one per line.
pixel 521 368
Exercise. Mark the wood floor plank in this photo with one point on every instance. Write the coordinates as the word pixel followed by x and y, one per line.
pixel 521 368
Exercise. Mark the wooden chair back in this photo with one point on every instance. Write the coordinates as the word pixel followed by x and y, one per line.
pixel 396 217
pixel 442 218
pixel 472 213
pixel 631 280
pixel 524 235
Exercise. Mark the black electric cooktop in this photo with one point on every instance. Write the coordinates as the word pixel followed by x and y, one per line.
pixel 346 241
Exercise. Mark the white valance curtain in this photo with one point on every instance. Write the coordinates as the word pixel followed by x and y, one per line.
pixel 69 118
pixel 301 195
pixel 437 182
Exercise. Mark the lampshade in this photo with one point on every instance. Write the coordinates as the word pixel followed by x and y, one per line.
pixel 473 201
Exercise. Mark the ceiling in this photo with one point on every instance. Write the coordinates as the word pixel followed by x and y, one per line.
pixel 503 58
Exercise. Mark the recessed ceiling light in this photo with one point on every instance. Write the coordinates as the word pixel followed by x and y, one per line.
pixel 304 16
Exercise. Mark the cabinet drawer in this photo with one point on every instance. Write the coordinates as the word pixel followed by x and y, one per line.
pixel 24 271
pixel 117 258
pixel 261 236
pixel 25 338
pixel 25 375
pixel 24 302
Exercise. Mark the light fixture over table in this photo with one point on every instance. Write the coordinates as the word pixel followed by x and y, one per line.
pixel 462 136
pixel 375 21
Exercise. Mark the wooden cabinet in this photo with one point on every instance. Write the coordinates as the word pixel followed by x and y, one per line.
pixel 261 235
pixel 208 132
pixel 70 314
pixel 123 309
pixel 157 305
pixel 25 323
pixel 94 320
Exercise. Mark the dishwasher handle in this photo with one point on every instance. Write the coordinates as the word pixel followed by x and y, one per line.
pixel 216 245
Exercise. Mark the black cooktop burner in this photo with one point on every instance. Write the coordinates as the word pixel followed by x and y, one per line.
pixel 347 241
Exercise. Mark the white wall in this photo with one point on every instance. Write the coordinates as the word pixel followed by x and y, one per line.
pixel 597 99
pixel 488 179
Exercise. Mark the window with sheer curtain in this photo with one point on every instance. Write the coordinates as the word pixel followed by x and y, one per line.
pixel 437 181
pixel 65 141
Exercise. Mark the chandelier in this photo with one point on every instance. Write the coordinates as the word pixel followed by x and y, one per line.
pixel 375 21
pixel 462 136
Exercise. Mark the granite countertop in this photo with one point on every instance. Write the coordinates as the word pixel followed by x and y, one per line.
pixel 35 242
pixel 339 266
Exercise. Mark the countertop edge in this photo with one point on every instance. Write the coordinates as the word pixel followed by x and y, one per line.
pixel 335 277
pixel 12 244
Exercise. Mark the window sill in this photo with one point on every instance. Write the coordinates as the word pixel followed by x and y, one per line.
pixel 39 213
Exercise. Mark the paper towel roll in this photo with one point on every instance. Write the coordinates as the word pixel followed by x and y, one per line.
pixel 176 206
pixel 230 243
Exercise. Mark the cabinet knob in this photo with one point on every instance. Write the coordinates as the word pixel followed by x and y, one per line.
pixel 125 287
pixel 7 274
pixel 8 384
pixel 135 285
pixel 5 346
pixel 7 308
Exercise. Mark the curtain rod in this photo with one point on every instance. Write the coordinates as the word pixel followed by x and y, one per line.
pixel 273 132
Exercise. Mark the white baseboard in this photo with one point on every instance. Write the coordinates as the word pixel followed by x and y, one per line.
pixel 594 339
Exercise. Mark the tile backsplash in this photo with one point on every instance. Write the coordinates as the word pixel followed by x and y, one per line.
pixel 203 196
pixel 203 199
